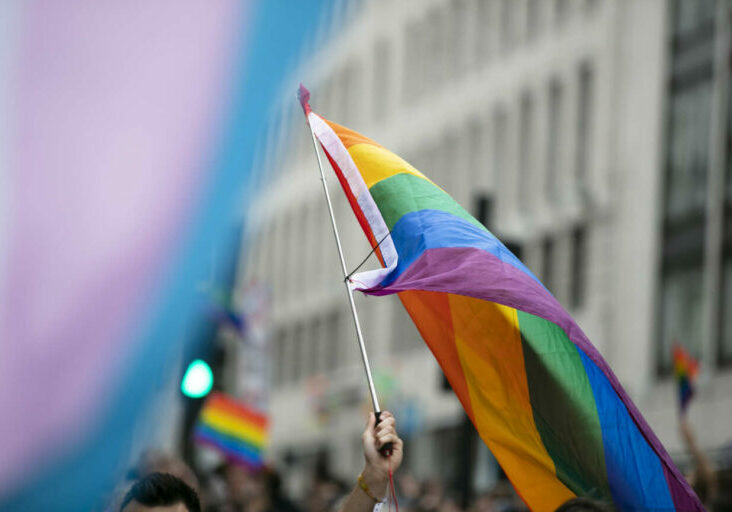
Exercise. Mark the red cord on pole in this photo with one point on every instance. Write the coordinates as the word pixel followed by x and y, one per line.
pixel 392 490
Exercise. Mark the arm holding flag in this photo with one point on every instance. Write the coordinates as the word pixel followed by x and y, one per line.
pixel 374 479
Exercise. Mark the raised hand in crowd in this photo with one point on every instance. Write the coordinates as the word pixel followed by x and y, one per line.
pixel 373 482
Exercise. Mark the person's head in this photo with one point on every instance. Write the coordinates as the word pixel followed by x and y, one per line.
pixel 156 461
pixel 160 492
pixel 583 505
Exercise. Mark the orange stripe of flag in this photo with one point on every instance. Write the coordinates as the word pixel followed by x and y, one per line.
pixel 223 403
pixel 348 136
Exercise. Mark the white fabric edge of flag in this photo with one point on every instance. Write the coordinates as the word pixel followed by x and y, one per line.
pixel 330 141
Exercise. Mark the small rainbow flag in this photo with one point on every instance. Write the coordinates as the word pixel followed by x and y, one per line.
pixel 686 368
pixel 236 430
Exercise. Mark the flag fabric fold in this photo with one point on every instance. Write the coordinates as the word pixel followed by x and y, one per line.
pixel 539 394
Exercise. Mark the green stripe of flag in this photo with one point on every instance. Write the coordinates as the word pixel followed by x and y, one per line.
pixel 404 193
pixel 564 407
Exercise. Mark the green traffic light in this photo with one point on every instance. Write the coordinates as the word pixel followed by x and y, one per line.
pixel 198 379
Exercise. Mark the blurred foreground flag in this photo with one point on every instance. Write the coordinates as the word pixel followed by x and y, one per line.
pixel 236 430
pixel 127 134
pixel 686 369
pixel 540 395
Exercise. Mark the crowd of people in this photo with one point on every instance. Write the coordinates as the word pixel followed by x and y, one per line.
pixel 161 480
pixel 234 489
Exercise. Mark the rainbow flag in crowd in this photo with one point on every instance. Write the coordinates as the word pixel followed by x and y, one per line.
pixel 686 369
pixel 236 430
pixel 540 395
pixel 127 139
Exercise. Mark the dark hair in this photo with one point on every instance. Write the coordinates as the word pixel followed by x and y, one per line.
pixel 584 505
pixel 160 489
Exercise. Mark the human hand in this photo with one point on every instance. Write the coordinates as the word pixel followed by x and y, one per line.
pixel 376 471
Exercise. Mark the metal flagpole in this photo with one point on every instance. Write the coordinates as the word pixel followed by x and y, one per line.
pixel 359 335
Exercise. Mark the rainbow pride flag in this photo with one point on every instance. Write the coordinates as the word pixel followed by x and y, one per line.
pixel 540 395
pixel 237 431
pixel 686 369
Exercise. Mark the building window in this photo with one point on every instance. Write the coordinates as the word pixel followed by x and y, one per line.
pixel 352 84
pixel 533 19
pixel 548 248
pixel 460 33
pixel 292 263
pixel 578 285
pixel 449 463
pixel 411 68
pixel 681 305
pixel 561 11
pixel 483 32
pixel 450 31
pixel 724 352
pixel 693 19
pixel 476 169
pixel 333 341
pixel 278 253
pixel 311 349
pixel 725 345
pixel 525 151
pixel 434 48
pixel 335 90
pixel 584 130
pixel 382 74
pixel 297 352
pixel 484 209
pixel 591 5
pixel 278 358
pixel 515 247
pixel 287 359
pixel 686 185
pixel 508 25
pixel 500 139
pixel 554 140
pixel 447 160
pixel 685 204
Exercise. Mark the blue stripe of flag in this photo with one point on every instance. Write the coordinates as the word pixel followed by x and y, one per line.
pixel 634 471
pixel 416 232
pixel 230 445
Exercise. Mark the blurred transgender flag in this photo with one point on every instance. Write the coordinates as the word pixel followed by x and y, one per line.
pixel 127 134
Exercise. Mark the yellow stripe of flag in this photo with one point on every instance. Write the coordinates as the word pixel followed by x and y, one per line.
pixel 377 164
pixel 233 426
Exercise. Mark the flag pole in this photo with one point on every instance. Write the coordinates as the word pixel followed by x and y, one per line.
pixel 359 334
pixel 304 96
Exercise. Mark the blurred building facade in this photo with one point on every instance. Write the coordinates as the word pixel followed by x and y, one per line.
pixel 592 136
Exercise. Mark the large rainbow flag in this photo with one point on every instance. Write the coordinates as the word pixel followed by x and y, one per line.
pixel 236 430
pixel 540 395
